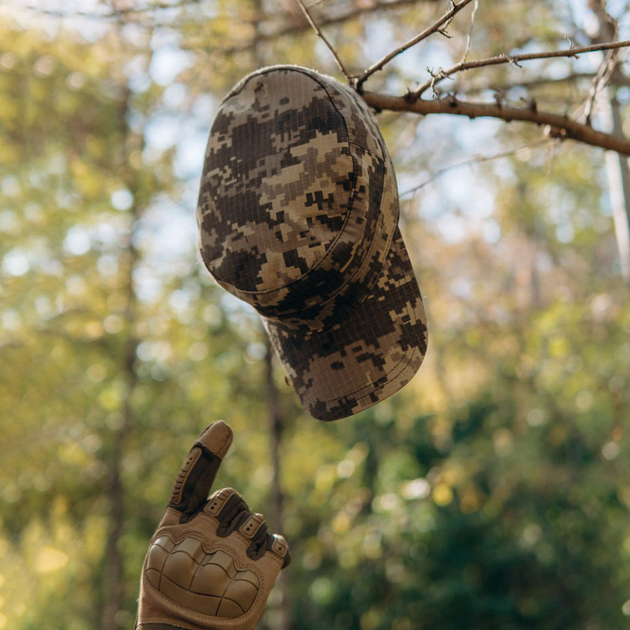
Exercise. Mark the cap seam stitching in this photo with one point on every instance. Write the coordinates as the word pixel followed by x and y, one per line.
pixel 313 76
pixel 346 313
pixel 354 169
pixel 247 292
pixel 370 286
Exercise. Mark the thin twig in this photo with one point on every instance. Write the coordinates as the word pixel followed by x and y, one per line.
pixel 610 62
pixel 513 59
pixel 271 35
pixel 600 81
pixel 478 159
pixel 574 77
pixel 323 20
pixel 434 28
pixel 316 28
pixel 608 30
pixel 470 30
pixel 113 13
pixel 560 127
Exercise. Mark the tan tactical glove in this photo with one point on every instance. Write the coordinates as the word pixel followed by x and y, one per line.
pixel 211 562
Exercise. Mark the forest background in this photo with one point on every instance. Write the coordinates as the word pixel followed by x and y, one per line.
pixel 493 492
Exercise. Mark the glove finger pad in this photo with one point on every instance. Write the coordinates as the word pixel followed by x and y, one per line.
pixel 217 438
pixel 182 475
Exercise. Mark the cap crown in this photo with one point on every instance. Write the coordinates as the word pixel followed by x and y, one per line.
pixel 294 210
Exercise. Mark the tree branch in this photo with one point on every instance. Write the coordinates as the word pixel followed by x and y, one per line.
pixel 608 31
pixel 477 159
pixel 323 21
pixel 112 13
pixel 470 30
pixel 434 28
pixel 561 127
pixel 605 71
pixel 316 28
pixel 514 59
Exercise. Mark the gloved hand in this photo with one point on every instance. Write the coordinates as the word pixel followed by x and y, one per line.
pixel 211 562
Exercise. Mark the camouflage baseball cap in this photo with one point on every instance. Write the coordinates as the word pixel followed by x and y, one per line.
pixel 298 214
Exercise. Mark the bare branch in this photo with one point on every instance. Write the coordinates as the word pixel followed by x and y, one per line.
pixel 574 77
pixel 470 30
pixel 605 71
pixel 560 127
pixel 477 159
pixel 316 28
pixel 515 59
pixel 437 27
pixel 608 29
pixel 113 13
pixel 323 21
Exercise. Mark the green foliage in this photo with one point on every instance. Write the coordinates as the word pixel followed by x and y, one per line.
pixel 491 493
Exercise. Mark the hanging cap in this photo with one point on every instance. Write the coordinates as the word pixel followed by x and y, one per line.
pixel 298 215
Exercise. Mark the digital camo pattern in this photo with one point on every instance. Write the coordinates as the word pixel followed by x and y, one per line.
pixel 297 213
pixel 206 583
pixel 290 200
pixel 373 353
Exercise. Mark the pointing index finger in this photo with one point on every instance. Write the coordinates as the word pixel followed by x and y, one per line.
pixel 217 438
pixel 197 474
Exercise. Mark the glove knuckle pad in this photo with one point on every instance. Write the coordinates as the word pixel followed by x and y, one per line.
pixel 279 545
pixel 252 525
pixel 218 500
pixel 206 582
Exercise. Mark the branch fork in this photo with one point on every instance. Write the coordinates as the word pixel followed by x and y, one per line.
pixel 556 126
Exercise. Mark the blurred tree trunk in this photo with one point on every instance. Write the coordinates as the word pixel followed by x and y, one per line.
pixel 113 574
pixel 618 172
pixel 113 593
pixel 619 184
pixel 280 611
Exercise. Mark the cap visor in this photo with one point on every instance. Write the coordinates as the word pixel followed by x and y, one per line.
pixel 370 355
